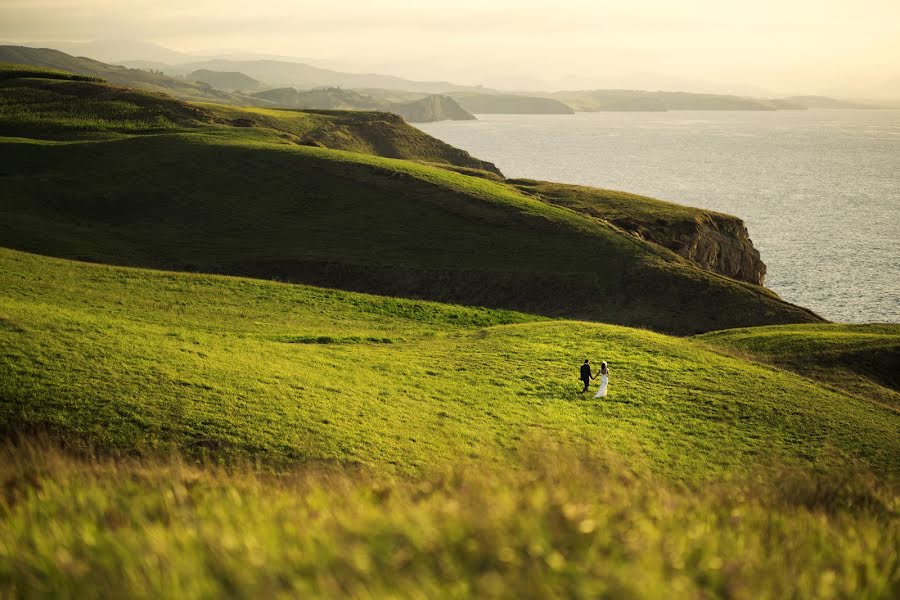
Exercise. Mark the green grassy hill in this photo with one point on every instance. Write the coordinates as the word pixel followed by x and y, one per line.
pixel 167 434
pixel 711 240
pixel 319 99
pixel 859 359
pixel 103 174
pixel 35 106
pixel 138 78
pixel 129 359
pixel 395 447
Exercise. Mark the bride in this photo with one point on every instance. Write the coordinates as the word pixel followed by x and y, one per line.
pixel 604 380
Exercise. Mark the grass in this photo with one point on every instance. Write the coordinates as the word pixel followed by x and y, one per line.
pixel 55 61
pixel 140 361
pixel 575 524
pixel 711 240
pixel 270 203
pixel 14 71
pixel 860 359
pixel 204 436
pixel 193 435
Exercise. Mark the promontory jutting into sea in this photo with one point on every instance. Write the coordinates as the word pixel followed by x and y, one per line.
pixel 819 190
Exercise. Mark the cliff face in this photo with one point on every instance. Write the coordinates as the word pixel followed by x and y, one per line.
pixel 717 243
pixel 429 109
pixel 714 241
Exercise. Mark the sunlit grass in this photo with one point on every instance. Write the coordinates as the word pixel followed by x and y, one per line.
pixel 859 359
pixel 564 524
pixel 136 361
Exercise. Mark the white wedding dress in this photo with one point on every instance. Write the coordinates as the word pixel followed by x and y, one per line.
pixel 601 393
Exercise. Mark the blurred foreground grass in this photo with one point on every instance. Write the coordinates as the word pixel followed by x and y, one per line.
pixel 564 524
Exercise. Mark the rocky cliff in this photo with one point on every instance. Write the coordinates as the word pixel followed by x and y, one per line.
pixel 713 241
pixel 429 109
pixel 716 242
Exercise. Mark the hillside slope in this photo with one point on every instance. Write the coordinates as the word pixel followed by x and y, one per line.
pixel 223 80
pixel 713 241
pixel 510 104
pixel 128 359
pixel 43 108
pixel 257 439
pixel 430 109
pixel 418 110
pixel 137 78
pixel 640 100
pixel 166 184
pixel 281 73
pixel 860 359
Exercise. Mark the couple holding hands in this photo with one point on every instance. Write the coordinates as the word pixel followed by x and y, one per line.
pixel 586 377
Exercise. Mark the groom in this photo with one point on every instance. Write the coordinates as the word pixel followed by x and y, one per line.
pixel 586 374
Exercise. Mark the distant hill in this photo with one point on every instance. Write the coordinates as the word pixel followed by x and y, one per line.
pixel 145 80
pixel 688 101
pixel 220 87
pixel 826 102
pixel 320 99
pixel 279 73
pixel 638 100
pixel 223 80
pixel 422 110
pixel 118 51
pixel 510 104
pixel 431 108
pixel 376 133
pixel 262 192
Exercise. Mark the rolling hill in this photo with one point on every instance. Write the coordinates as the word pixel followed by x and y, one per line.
pixel 282 73
pixel 510 104
pixel 128 358
pixel 197 435
pixel 229 87
pixel 221 80
pixel 826 102
pixel 247 438
pixel 418 110
pixel 138 78
pixel 860 359
pixel 711 240
pixel 274 198
pixel 639 100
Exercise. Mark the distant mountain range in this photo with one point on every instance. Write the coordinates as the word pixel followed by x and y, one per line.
pixel 225 80
pixel 280 73
pixel 283 83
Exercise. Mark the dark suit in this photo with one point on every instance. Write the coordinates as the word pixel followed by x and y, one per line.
pixel 586 375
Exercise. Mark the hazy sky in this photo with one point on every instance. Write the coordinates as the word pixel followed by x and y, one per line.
pixel 849 47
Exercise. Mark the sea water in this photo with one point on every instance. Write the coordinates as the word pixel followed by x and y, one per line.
pixel 819 190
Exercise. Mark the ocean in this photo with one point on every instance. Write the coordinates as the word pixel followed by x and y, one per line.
pixel 819 190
